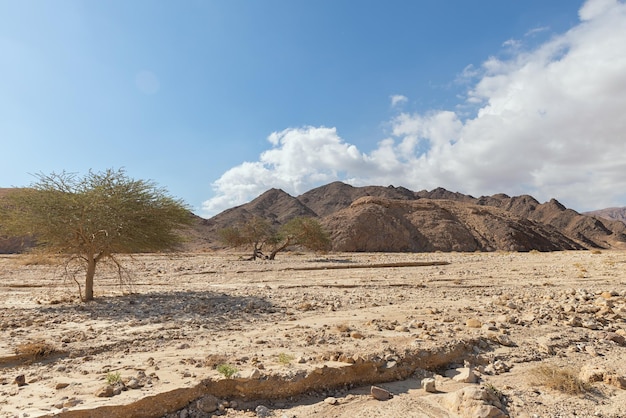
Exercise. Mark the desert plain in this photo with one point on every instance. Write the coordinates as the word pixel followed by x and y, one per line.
pixel 318 335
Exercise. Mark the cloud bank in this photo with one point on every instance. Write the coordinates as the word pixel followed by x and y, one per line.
pixel 547 122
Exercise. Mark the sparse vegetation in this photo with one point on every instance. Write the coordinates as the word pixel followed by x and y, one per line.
pixel 90 219
pixel 558 378
pixel 258 232
pixel 113 378
pixel 35 350
pixel 227 370
pixel 284 358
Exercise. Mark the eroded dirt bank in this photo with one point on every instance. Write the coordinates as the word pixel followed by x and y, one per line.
pixel 300 340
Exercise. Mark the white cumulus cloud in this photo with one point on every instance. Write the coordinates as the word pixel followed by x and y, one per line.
pixel 547 122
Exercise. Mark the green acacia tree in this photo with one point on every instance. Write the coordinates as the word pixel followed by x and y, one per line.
pixel 258 232
pixel 94 217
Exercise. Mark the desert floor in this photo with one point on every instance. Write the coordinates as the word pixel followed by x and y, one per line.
pixel 306 335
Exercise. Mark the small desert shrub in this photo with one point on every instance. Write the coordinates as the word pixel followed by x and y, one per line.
pixel 285 359
pixel 557 378
pixel 534 251
pixel 227 370
pixel 596 252
pixel 35 350
pixel 113 378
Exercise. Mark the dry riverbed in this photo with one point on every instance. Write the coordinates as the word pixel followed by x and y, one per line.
pixel 436 335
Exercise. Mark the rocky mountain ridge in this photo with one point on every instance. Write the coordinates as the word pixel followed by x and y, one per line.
pixel 396 219
pixel 377 218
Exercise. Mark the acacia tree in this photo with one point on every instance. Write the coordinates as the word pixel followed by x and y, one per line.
pixel 255 232
pixel 258 232
pixel 94 217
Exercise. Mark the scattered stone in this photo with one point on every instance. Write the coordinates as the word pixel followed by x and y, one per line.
pixel 574 322
pixel 591 324
pixel 61 385
pixel 466 375
pixel 263 411
pixel 106 391
pixel 357 335
pixel 20 380
pixel 473 323
pixel 71 402
pixel 255 374
pixel 428 385
pixel 590 373
pixel 504 340
pixel 380 394
pixel 615 380
pixel 401 328
pixel 331 400
pixel 207 404
pixel 616 338
pixel 489 327
pixel 473 402
pixel 133 383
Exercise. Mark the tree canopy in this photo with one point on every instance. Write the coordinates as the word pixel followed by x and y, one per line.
pixel 258 232
pixel 95 216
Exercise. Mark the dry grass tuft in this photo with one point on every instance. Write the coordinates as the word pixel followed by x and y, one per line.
pixel 35 349
pixel 557 378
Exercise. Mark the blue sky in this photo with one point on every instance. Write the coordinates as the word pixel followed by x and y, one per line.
pixel 218 101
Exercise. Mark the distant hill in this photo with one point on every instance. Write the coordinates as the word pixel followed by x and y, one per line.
pixel 614 214
pixel 377 218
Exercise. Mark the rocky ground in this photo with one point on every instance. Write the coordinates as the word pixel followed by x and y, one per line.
pixel 339 335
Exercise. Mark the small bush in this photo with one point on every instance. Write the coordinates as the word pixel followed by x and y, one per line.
pixel 557 378
pixel 227 370
pixel 113 378
pixel 35 350
pixel 285 358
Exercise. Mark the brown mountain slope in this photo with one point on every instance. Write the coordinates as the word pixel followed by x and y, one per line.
pixel 612 214
pixel 588 231
pixel 379 224
pixel 335 196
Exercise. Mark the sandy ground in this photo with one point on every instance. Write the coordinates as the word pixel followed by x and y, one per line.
pixel 308 335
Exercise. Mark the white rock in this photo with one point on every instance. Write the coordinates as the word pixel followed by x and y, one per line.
pixel 428 385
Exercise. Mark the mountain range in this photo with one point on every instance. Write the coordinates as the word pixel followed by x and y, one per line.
pixel 396 219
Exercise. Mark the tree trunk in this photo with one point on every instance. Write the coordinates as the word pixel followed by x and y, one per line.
pixel 91 271
pixel 279 248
